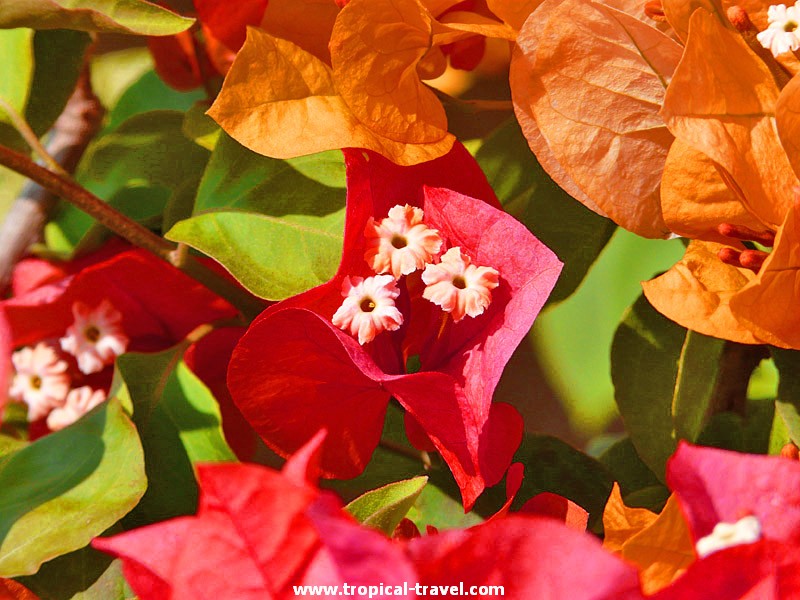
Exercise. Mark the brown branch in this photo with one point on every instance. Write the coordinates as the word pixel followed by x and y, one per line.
pixel 130 230
pixel 737 363
pixel 73 130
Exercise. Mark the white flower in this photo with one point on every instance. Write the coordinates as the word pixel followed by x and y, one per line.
pixel 79 402
pixel 459 287
pixel 745 531
pixel 96 338
pixel 40 380
pixel 401 243
pixel 781 35
pixel 368 308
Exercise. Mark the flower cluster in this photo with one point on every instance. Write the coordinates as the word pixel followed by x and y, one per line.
pixel 61 340
pixel 49 379
pixel 399 245
pixel 781 36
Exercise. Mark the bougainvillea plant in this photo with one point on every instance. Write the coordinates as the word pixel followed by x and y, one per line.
pixel 328 298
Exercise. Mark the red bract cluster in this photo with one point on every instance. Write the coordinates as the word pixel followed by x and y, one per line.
pixel 66 324
pixel 295 372
pixel 276 531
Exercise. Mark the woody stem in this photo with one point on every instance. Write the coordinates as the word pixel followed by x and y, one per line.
pixel 67 189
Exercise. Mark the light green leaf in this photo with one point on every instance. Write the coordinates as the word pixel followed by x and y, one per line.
pixel 273 257
pixel 572 231
pixel 118 16
pixel 16 48
pixel 67 487
pixel 664 377
pixel 179 423
pixel 239 178
pixel 384 508
pixel 199 127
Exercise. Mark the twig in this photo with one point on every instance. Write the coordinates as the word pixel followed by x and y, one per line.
pixel 22 127
pixel 71 134
pixel 130 230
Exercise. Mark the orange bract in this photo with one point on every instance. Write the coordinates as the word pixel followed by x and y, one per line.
pixel 281 101
pixel 660 545
pixel 588 81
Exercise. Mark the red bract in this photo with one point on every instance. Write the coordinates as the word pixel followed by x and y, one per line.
pixel 718 486
pixel 157 306
pixel 531 557
pixel 259 533
pixel 295 372
pixel 256 534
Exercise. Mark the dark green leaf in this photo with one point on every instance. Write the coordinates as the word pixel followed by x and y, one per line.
pixel 749 434
pixel 384 508
pixel 554 466
pixel 664 377
pixel 572 231
pixel 199 127
pixel 85 574
pixel 58 61
pixel 273 257
pixel 118 16
pixel 179 423
pixel 627 468
pixel 67 487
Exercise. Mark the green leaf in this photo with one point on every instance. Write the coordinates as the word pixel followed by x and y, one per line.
pixel 436 508
pixel 136 168
pixel 148 94
pixel 118 16
pixel 273 257
pixel 572 231
pixel 384 508
pixel 554 466
pixel 787 406
pixel 16 48
pixel 750 434
pixel 67 487
pixel 58 61
pixel 179 423
pixel 239 178
pixel 664 378
pixel 199 127
pixel 627 468
pixel 85 574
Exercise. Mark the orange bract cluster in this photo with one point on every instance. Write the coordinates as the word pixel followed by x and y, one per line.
pixel 685 126
pixel 316 78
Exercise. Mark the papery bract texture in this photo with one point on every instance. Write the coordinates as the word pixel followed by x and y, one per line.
pixel 308 369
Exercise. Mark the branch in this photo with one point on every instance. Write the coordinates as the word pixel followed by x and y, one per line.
pixel 71 134
pixel 737 363
pixel 130 230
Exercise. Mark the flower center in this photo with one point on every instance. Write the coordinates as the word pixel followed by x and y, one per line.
pixel 367 305
pixel 92 333
pixel 459 282
pixel 399 242
pixel 789 26
pixel 36 382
